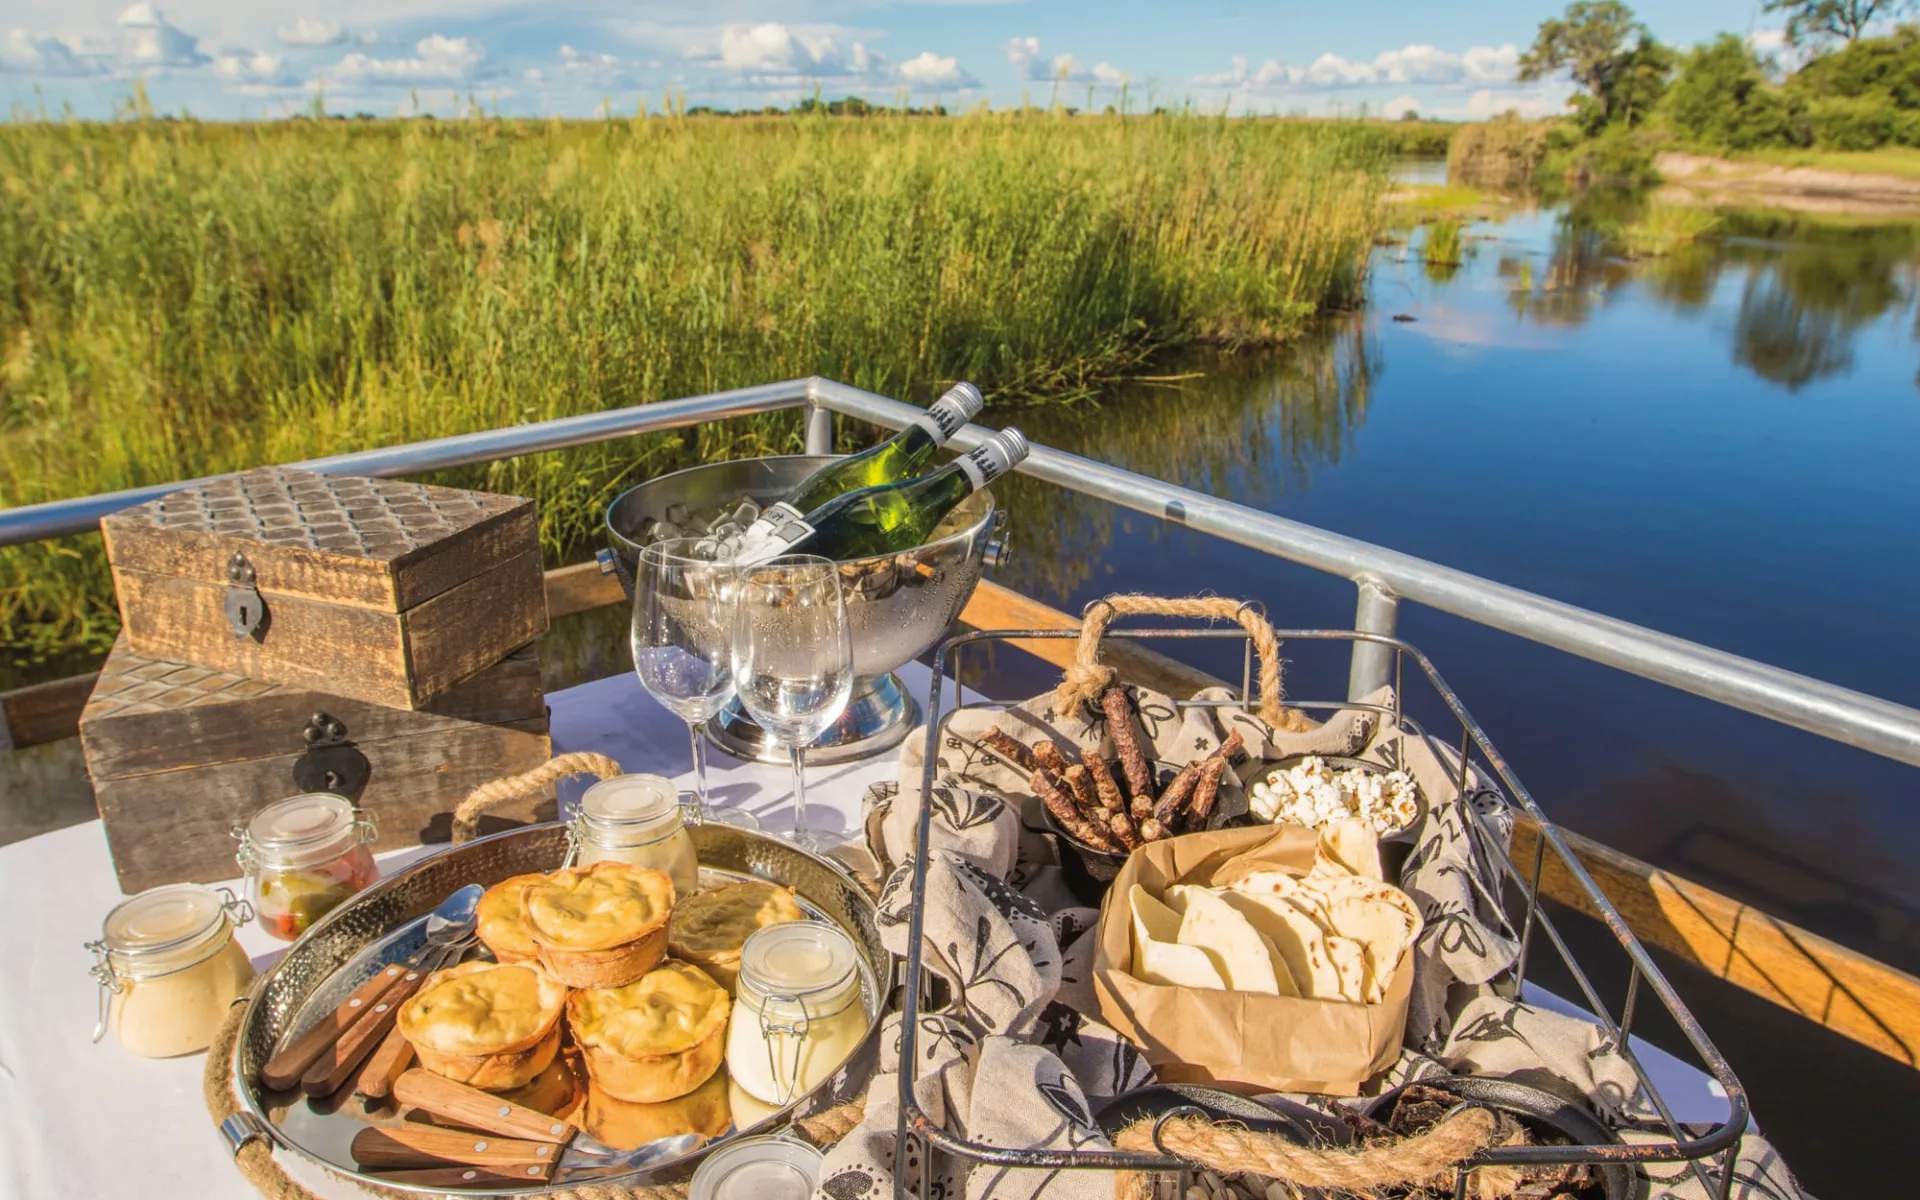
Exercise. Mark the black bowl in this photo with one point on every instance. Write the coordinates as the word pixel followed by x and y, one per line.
pixel 1283 1118
pixel 1540 1110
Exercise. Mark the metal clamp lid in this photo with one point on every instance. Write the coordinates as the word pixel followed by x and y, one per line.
pixel 236 911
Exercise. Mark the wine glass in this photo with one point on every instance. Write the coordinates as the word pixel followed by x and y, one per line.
pixel 683 645
pixel 793 659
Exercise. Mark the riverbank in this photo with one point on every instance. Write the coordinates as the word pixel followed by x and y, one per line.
pixel 1802 181
pixel 187 299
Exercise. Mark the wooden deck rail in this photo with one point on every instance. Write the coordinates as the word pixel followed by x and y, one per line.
pixel 1828 984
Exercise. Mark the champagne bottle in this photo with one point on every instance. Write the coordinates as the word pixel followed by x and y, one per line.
pixel 899 457
pixel 893 516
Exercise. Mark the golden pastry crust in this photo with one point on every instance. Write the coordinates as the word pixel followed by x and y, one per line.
pixel 709 928
pixel 498 920
pixel 495 1072
pixel 600 926
pixel 653 1040
pixel 625 1125
pixel 557 1091
pixel 602 906
pixel 483 1008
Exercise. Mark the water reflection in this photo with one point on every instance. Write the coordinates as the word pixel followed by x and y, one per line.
pixel 1253 427
pixel 1807 286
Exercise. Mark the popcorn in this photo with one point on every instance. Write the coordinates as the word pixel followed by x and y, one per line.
pixel 1313 794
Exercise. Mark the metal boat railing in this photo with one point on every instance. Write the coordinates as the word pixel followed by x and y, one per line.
pixel 1382 577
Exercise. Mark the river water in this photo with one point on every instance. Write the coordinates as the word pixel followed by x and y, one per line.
pixel 1723 445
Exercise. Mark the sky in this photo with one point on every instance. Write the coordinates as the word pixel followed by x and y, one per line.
pixel 248 59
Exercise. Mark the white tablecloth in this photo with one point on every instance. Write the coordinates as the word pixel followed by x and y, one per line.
pixel 90 1122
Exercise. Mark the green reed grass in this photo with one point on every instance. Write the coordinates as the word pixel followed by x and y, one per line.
pixel 178 299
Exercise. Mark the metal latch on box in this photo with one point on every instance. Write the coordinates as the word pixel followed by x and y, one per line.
pixel 246 611
pixel 331 763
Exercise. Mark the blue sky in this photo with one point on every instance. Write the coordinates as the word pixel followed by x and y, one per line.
pixel 254 58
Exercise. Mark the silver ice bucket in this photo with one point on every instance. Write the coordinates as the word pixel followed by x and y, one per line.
pixel 900 605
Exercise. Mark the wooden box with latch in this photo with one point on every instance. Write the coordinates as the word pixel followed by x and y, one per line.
pixel 180 755
pixel 378 589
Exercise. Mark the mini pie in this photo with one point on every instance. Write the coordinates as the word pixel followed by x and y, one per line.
pixel 709 928
pixel 655 1039
pixel 556 1091
pixel 498 920
pixel 628 1126
pixel 599 926
pixel 488 1025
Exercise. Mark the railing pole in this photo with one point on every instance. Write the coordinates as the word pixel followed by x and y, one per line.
pixel 819 429
pixel 1378 611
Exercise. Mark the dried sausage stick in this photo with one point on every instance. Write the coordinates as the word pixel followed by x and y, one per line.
pixel 1133 760
pixel 1006 746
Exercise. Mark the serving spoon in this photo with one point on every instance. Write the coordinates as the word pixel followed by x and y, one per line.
pixel 321 1058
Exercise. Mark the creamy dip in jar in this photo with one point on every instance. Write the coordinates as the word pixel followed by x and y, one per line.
pixel 798 1013
pixel 169 968
pixel 635 819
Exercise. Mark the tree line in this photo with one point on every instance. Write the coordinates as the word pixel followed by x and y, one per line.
pixel 1854 82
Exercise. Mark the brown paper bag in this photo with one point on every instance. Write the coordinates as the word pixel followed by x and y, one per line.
pixel 1241 1041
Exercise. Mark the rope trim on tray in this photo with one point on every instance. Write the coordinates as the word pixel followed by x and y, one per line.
pixel 270 1179
pixel 466 817
pixel 1425 1158
pixel 1086 677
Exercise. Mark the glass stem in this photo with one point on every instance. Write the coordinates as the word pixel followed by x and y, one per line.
pixel 699 814
pixel 800 833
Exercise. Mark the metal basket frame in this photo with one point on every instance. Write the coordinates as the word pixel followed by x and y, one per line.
pixel 1720 1143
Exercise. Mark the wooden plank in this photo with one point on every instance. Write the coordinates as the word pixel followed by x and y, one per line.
pixel 1825 982
pixel 45 712
pixel 580 588
pixel 996 607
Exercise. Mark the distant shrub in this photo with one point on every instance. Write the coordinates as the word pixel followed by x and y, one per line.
pixel 1505 150
pixel 1853 122
pixel 1722 98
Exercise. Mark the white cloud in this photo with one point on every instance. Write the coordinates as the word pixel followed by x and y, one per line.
pixel 40 55
pixel 1413 64
pixel 245 66
pixel 1024 54
pixel 437 59
pixel 308 32
pixel 1401 104
pixel 928 69
pixel 150 40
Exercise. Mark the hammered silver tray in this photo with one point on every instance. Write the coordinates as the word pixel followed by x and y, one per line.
pixel 387 923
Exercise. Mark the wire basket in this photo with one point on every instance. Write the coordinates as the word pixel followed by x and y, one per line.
pixel 1709 1156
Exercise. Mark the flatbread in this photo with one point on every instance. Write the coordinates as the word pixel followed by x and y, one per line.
pixel 1287 887
pixel 1299 943
pixel 1348 848
pixel 1271 928
pixel 1157 955
pixel 1244 957
pixel 1350 964
pixel 1385 923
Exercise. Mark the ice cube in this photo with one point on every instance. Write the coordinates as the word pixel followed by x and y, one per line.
pixel 666 530
pixel 727 529
pixel 677 513
pixel 746 514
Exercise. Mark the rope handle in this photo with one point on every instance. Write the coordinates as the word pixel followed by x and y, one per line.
pixel 1087 677
pixel 1428 1158
pixel 488 796
pixel 256 1161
